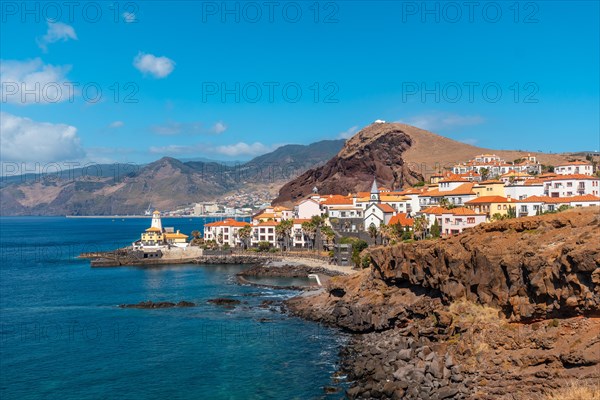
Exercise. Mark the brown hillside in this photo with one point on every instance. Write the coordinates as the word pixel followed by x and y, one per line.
pixel 396 154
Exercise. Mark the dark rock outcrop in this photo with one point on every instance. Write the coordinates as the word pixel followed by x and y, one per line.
pixel 376 151
pixel 159 304
pixel 222 301
pixel 506 310
pixel 539 267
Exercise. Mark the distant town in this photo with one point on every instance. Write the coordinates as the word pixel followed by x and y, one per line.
pixel 477 191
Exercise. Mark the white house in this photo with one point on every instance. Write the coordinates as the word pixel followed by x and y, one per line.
pixel 307 208
pixel 264 232
pixel 574 167
pixel 572 185
pixel 455 220
pixel 378 214
pixel 532 187
pixel 224 232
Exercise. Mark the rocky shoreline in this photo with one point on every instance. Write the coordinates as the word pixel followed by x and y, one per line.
pixel 505 311
pixel 284 271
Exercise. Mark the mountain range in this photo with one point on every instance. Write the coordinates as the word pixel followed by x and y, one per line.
pixel 111 189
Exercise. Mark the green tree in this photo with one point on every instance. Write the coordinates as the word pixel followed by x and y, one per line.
pixel 244 234
pixel 420 226
pixel 309 230
pixel 328 235
pixel 373 233
pixel 511 212
pixel 283 230
pixel 436 230
pixel 358 246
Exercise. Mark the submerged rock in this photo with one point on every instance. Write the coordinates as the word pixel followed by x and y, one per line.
pixel 159 304
pixel 222 301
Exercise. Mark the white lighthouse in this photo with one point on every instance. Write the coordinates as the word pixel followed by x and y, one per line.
pixel 156 222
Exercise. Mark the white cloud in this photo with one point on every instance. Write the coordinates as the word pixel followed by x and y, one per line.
pixel 149 64
pixel 33 82
pixel 57 31
pixel 242 149
pixel 25 140
pixel 347 134
pixel 129 17
pixel 219 127
pixel 436 121
pixel 116 124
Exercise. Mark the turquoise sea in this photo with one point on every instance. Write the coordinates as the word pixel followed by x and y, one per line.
pixel 62 335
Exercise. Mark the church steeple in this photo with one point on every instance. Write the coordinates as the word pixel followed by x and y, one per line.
pixel 375 192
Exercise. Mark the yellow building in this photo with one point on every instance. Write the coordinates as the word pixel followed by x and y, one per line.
pixel 175 238
pixel 489 188
pixel 490 205
pixel 152 237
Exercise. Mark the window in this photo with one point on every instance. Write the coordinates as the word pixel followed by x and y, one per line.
pixel 499 207
pixel 470 220
pixel 569 184
pixel 524 209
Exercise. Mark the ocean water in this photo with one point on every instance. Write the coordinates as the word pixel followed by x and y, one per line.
pixel 62 335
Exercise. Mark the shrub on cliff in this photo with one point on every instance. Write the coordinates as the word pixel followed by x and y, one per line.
pixel 575 391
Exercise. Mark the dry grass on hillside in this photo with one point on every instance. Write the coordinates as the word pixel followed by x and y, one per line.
pixel 575 391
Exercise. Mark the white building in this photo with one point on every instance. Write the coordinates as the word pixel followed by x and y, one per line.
pixel 307 208
pixel 224 232
pixel 574 167
pixel 456 220
pixel 572 185
pixel 534 187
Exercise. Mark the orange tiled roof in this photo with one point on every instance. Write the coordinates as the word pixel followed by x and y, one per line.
pixel 228 222
pixel 386 208
pixel 465 188
pixel 153 229
pixel 268 223
pixel 488 199
pixel 572 176
pixel 584 197
pixel 336 199
pixel 574 163
pixel 461 211
pixel 175 235
pixel 437 210
pixel 545 199
pixel 265 216
pixel 454 178
pixel 491 181
pixel 401 219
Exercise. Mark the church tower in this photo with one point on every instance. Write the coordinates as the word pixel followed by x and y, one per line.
pixel 156 222
pixel 375 192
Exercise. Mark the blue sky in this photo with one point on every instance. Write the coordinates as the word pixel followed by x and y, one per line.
pixel 501 75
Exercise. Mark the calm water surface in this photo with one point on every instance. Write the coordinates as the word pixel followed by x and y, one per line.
pixel 63 336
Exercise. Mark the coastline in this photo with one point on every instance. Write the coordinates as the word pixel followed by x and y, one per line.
pixel 417 335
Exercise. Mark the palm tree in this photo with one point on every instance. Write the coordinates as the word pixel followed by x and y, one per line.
pixel 328 233
pixel 373 232
pixel 284 231
pixel 386 232
pixel 420 226
pixel 309 229
pixel 244 234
